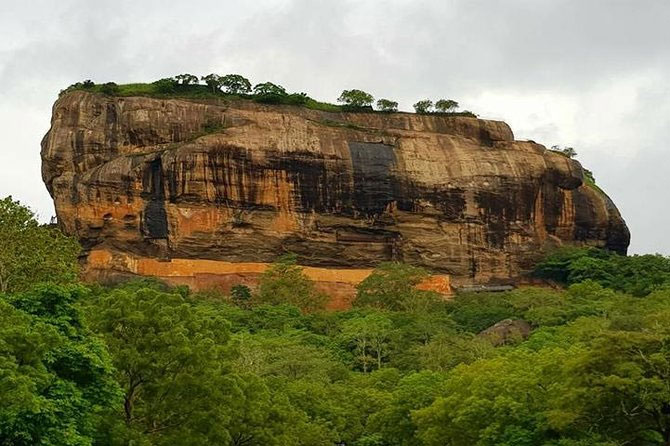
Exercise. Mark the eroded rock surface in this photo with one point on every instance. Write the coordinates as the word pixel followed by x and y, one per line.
pixel 236 181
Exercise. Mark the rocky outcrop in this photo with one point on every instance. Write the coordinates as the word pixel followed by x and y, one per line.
pixel 240 182
pixel 507 331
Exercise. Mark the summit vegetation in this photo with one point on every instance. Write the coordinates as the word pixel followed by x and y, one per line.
pixel 142 363
pixel 236 86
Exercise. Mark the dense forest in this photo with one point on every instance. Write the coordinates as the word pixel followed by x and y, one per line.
pixel 585 361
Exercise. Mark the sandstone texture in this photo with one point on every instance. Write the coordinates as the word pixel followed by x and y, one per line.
pixel 174 180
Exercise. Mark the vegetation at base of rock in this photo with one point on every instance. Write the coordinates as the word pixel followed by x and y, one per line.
pixel 235 86
pixel 31 253
pixel 143 363
pixel 638 275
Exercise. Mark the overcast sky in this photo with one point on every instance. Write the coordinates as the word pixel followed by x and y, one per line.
pixel 592 74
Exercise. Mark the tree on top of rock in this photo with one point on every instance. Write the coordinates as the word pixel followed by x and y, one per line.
pixel 235 84
pixel 446 106
pixel 387 105
pixel 424 106
pixel 213 81
pixel 186 79
pixel 356 98
pixel 269 88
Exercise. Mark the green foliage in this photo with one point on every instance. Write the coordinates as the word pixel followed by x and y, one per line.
pixel 370 337
pixel 241 296
pixel 285 283
pixel 169 354
pixel 446 105
pixel 268 88
pixel 152 365
pixel 109 88
pixel 356 98
pixel 235 84
pixel 392 286
pixel 638 275
pixel 55 376
pixel 387 105
pixel 213 81
pixel 565 151
pixel 166 85
pixel 31 253
pixel 186 79
pixel 424 106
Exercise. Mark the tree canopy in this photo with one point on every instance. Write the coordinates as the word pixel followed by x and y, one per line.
pixel 143 363
pixel 31 253
pixel 356 98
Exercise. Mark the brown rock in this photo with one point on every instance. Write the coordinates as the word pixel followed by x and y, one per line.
pixel 507 331
pixel 239 182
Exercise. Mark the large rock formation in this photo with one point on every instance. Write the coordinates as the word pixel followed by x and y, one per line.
pixel 148 180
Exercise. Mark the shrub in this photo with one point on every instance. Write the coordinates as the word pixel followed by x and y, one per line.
pixel 566 151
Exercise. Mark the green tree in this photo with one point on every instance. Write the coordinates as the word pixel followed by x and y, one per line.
pixel 356 98
pixel 424 106
pixel 235 84
pixel 186 79
pixel 268 88
pixel 241 296
pixel 370 337
pixel 392 286
pixel 171 356
pixel 166 85
pixel 387 105
pixel 110 88
pixel 567 151
pixel 55 376
pixel 31 253
pixel 213 81
pixel 285 283
pixel 446 105
pixel 494 402
pixel 393 424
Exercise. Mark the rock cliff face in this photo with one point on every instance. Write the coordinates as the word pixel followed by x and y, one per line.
pixel 237 182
